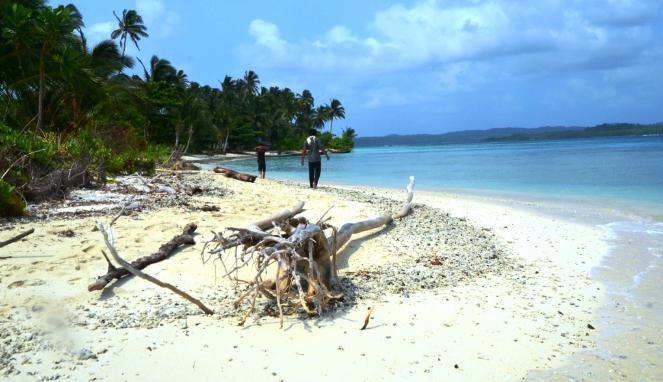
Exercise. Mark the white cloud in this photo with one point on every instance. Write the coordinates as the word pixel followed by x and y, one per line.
pixel 436 33
pixel 441 53
pixel 267 35
pixel 160 21
pixel 150 10
pixel 100 31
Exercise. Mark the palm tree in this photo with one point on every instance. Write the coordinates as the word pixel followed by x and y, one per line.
pixel 336 111
pixel 322 115
pixel 251 82
pixel 53 29
pixel 161 70
pixel 77 19
pixel 131 24
pixel 106 59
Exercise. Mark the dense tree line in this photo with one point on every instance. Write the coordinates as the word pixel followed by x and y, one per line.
pixel 66 104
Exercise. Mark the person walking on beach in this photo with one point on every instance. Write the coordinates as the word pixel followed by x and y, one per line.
pixel 312 149
pixel 261 149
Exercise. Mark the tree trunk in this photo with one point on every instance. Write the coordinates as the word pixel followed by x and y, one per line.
pixel 225 143
pixel 188 141
pixel 178 128
pixel 42 80
pixel 145 132
pixel 228 173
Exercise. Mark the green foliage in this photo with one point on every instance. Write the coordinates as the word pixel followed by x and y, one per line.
pixel 135 160
pixel 344 143
pixel 10 203
pixel 63 103
pixel 40 149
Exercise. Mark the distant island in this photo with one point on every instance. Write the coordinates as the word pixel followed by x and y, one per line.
pixel 505 134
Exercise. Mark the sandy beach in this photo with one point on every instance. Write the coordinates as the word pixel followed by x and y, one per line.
pixel 462 289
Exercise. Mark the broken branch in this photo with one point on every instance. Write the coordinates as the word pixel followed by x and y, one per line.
pixel 107 233
pixel 17 237
pixel 163 253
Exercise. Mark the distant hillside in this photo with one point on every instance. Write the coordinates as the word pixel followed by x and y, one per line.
pixel 512 134
pixel 604 130
pixel 465 136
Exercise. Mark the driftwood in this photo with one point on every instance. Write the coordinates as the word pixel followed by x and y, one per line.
pixel 228 173
pixel 163 253
pixel 107 233
pixel 368 317
pixel 349 229
pixel 302 254
pixel 16 238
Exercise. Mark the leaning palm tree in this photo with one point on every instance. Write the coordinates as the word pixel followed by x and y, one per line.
pixel 106 59
pixel 131 25
pixel 77 19
pixel 336 111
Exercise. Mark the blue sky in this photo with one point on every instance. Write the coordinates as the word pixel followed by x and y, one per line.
pixel 421 66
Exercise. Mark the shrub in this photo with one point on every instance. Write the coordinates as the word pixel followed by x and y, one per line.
pixel 11 204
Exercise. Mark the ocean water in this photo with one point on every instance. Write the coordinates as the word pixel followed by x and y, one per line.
pixel 626 172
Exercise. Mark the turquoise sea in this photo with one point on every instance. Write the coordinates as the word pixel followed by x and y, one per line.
pixel 625 172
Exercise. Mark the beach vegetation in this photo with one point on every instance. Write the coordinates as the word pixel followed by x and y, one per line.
pixel 11 204
pixel 66 104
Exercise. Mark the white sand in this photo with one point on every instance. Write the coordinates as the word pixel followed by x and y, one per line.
pixel 492 328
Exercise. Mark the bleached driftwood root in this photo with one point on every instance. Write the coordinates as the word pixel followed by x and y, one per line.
pixel 303 256
pixel 348 229
pixel 107 233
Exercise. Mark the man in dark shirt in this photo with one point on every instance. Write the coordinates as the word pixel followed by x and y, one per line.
pixel 260 153
pixel 312 149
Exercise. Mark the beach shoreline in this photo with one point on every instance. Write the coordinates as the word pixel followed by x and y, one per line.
pixel 509 325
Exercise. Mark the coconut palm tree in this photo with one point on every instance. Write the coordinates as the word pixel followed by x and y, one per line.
pixel 160 70
pixel 251 82
pixel 53 29
pixel 322 115
pixel 336 111
pixel 107 60
pixel 131 25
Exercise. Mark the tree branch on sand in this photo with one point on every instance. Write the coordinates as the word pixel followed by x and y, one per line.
pixel 107 233
pixel 302 253
pixel 17 237
pixel 163 253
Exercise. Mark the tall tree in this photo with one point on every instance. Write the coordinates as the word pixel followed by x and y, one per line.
pixel 131 25
pixel 336 111
pixel 251 82
pixel 322 115
pixel 53 28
